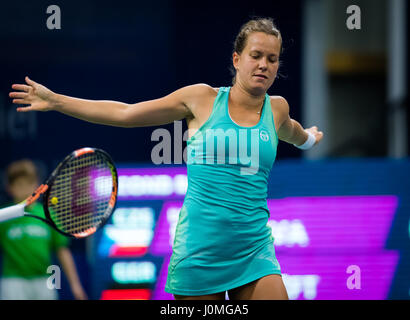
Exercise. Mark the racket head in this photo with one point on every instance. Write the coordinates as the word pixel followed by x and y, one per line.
pixel 82 193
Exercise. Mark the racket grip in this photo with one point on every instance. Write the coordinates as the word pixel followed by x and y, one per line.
pixel 12 212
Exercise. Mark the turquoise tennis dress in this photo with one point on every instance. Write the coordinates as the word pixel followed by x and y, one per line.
pixel 222 239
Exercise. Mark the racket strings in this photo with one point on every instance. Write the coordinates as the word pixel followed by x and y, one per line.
pixel 80 194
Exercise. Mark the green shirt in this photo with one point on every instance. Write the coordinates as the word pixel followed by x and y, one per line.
pixel 27 245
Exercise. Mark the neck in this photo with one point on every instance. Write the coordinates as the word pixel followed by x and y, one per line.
pixel 240 97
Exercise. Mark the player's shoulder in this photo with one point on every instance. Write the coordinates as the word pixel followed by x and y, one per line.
pixel 279 103
pixel 196 93
pixel 200 89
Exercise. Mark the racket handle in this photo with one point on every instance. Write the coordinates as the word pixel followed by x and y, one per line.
pixel 12 212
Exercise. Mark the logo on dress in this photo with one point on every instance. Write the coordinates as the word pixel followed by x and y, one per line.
pixel 264 135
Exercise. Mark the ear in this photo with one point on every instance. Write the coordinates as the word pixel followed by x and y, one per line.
pixel 235 60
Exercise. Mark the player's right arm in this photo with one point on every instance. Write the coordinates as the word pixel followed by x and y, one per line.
pixel 175 106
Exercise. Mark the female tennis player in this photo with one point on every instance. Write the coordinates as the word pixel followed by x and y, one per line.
pixel 222 241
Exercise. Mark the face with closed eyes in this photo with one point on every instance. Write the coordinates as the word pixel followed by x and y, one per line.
pixel 258 64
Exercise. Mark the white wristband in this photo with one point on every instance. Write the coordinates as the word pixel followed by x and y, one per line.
pixel 309 142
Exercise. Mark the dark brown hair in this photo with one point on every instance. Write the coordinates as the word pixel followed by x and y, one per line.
pixel 265 25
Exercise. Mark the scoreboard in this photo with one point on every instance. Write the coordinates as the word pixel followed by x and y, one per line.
pixel 341 230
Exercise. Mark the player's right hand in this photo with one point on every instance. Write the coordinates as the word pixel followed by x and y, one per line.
pixel 37 96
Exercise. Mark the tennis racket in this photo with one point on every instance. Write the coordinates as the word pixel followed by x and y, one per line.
pixel 78 197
